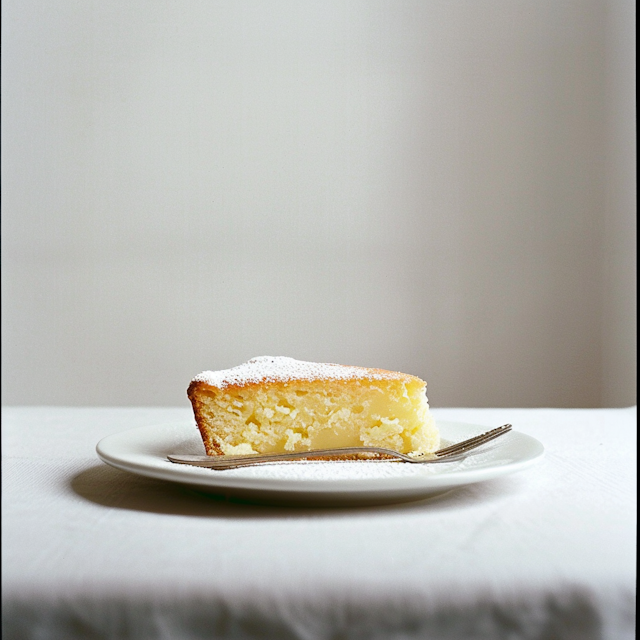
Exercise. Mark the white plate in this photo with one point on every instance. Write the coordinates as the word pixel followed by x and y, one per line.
pixel 144 451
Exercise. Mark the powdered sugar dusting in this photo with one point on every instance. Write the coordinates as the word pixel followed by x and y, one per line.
pixel 282 369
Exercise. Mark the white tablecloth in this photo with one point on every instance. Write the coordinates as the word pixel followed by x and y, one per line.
pixel 93 552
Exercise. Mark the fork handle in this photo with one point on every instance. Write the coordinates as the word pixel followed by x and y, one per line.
pixel 232 462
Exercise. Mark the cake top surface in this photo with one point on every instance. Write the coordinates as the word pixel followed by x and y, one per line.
pixel 282 369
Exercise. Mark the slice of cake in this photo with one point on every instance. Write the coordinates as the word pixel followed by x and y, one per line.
pixel 277 404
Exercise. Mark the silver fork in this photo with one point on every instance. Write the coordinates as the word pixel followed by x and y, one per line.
pixel 447 454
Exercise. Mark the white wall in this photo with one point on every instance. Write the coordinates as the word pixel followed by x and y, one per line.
pixel 441 187
pixel 619 347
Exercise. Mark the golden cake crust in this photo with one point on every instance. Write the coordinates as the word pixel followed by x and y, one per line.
pixel 278 369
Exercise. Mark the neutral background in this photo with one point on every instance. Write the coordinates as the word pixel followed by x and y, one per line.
pixel 444 188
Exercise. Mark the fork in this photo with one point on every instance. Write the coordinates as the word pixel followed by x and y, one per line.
pixel 447 454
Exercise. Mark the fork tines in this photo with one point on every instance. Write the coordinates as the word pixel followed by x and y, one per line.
pixel 461 447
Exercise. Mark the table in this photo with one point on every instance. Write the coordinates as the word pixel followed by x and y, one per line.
pixel 89 551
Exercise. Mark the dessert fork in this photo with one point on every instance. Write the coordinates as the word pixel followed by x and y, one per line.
pixel 447 454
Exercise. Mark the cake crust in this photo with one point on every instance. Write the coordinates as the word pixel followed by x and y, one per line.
pixel 279 369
